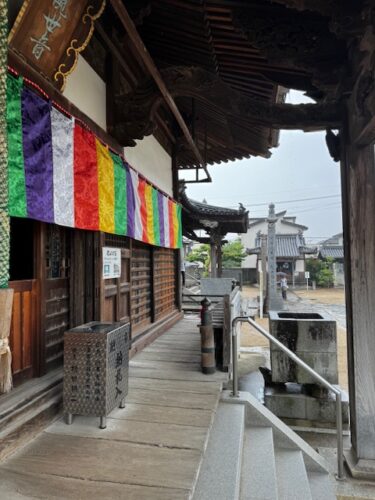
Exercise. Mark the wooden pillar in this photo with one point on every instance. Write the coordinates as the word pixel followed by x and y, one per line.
pixel 213 259
pixel 215 253
pixel 358 173
pixel 219 260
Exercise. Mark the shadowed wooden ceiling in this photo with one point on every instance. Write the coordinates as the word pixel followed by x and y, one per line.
pixel 227 64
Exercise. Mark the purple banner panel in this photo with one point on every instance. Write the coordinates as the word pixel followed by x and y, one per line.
pixel 37 150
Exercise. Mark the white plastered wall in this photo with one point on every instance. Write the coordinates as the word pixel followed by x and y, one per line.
pixel 152 161
pixel 87 91
pixel 300 266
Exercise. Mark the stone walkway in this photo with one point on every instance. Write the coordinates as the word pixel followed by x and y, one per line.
pixel 152 449
pixel 336 311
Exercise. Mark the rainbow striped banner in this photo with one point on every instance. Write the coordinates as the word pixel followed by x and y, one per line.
pixel 59 172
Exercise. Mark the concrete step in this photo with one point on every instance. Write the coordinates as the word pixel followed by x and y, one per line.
pixel 258 474
pixel 321 486
pixel 292 480
pixel 219 475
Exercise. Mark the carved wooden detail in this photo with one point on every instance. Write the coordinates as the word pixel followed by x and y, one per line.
pixel 50 34
pixel 136 112
pixel 296 39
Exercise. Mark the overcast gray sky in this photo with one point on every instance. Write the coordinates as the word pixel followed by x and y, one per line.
pixel 299 169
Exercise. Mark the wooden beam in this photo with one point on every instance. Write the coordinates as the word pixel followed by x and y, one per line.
pixel 115 52
pixel 129 26
pixel 209 89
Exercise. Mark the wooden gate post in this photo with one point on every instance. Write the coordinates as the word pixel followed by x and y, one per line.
pixel 358 193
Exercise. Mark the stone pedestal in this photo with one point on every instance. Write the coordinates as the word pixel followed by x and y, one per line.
pixel 289 402
pixel 312 337
pixel 359 468
pixel 294 394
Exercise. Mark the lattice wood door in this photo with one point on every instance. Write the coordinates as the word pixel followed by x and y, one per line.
pixel 164 281
pixel 141 287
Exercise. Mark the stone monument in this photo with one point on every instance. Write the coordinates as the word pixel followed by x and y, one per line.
pixel 274 299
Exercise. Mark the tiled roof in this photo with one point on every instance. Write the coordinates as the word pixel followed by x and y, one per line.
pixel 290 221
pixel 333 240
pixel 336 252
pixel 197 215
pixel 287 245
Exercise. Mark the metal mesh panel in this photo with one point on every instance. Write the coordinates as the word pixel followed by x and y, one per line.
pixel 96 363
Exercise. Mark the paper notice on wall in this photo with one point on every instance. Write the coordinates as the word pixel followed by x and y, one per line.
pixel 111 262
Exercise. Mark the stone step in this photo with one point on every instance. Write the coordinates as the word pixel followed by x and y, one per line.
pixel 258 473
pixel 292 480
pixel 219 475
pixel 321 486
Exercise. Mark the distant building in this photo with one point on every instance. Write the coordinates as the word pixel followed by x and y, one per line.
pixel 290 247
pixel 334 248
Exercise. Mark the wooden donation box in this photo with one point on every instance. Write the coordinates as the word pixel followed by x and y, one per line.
pixel 96 368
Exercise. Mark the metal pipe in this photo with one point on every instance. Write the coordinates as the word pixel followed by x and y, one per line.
pixel 340 444
pixel 302 364
pixel 235 363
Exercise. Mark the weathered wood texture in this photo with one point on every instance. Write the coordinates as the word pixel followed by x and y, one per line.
pixel 117 290
pixel 164 270
pixel 82 278
pixel 23 329
pixel 152 449
pixel 56 305
pixel 359 210
pixel 141 291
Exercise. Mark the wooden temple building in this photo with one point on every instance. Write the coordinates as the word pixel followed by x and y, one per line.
pixel 216 222
pixel 155 88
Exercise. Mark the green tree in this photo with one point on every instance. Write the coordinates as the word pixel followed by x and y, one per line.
pixel 321 271
pixel 313 266
pixel 233 254
pixel 199 254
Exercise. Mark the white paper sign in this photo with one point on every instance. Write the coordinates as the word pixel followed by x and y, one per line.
pixel 111 262
pixel 307 275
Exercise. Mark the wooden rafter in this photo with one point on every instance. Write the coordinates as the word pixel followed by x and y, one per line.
pixel 129 26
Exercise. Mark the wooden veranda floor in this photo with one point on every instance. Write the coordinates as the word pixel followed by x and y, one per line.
pixel 152 449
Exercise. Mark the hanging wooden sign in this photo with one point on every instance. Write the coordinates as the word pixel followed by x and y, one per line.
pixel 50 34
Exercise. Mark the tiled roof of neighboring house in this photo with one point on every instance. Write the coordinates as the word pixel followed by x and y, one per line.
pixel 336 252
pixel 289 221
pixel 333 240
pixel 287 245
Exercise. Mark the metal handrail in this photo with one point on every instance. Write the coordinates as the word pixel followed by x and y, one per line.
pixel 313 373
pixel 188 275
